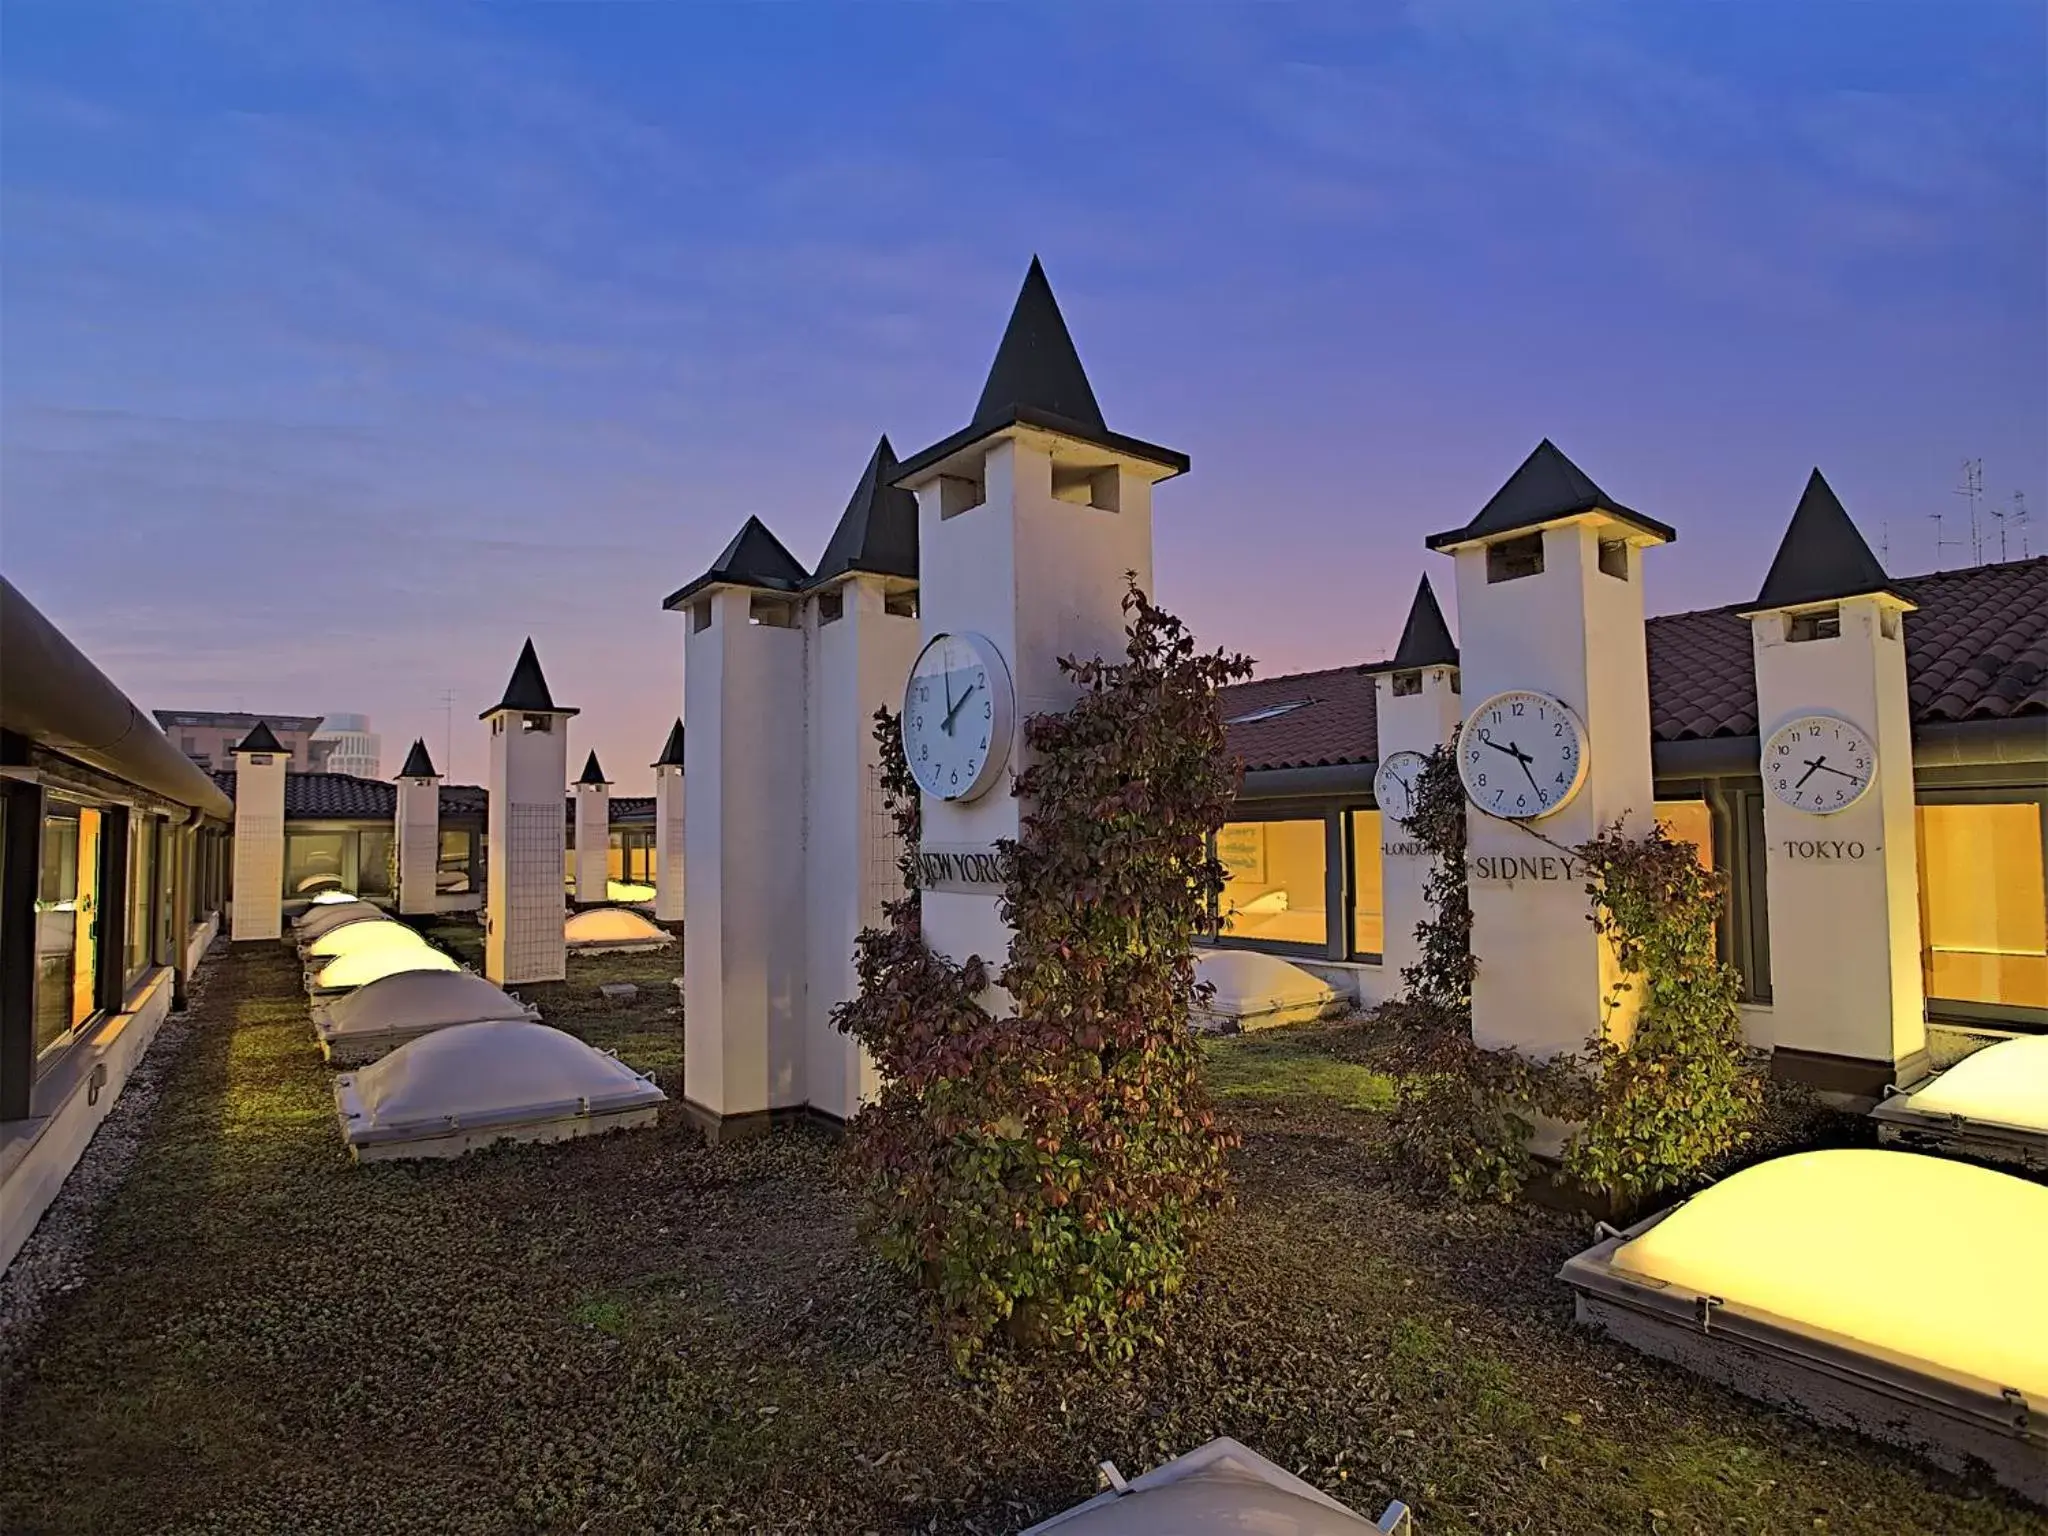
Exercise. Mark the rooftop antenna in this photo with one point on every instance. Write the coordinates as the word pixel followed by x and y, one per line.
pixel 1997 515
pixel 447 730
pixel 1884 543
pixel 2019 519
pixel 1971 490
pixel 1939 542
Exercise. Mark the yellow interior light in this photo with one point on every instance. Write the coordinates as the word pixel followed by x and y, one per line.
pixel 2006 1083
pixel 368 965
pixel 373 934
pixel 1817 1238
pixel 627 890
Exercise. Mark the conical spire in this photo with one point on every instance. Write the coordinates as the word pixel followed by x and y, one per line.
pixel 672 749
pixel 1425 639
pixel 754 558
pixel 417 764
pixel 1036 365
pixel 878 530
pixel 528 689
pixel 592 774
pixel 1546 488
pixel 1822 556
pixel 261 739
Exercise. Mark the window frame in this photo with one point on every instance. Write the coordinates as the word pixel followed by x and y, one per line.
pixel 1336 945
pixel 1943 1010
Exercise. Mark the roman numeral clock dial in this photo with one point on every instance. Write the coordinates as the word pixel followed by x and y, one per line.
pixel 1522 755
pixel 958 715
pixel 1819 764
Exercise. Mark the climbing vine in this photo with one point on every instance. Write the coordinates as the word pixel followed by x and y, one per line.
pixel 1653 1104
pixel 1047 1176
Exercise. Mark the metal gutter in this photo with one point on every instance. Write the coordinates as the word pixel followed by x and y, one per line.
pixel 54 696
pixel 1322 779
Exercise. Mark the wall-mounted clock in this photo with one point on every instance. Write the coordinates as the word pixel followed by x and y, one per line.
pixel 1394 785
pixel 1820 764
pixel 958 714
pixel 1522 755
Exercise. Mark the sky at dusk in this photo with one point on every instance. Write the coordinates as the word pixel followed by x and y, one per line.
pixel 343 346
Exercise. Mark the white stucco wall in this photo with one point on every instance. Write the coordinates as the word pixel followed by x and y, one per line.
pixel 593 840
pixel 1575 633
pixel 523 881
pixel 1416 722
pixel 258 904
pixel 1845 930
pixel 669 905
pixel 1042 578
pixel 745 952
pixel 418 835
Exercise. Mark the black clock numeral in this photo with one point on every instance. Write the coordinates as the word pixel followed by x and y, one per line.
pixel 1559 730
pixel 1479 779
pixel 1517 709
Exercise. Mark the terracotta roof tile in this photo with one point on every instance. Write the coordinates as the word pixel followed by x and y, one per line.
pixel 1976 649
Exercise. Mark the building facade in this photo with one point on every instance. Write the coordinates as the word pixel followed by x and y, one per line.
pixel 209 737
pixel 348 745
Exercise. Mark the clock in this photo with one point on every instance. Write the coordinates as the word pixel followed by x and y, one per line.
pixel 1394 785
pixel 958 714
pixel 1522 755
pixel 1819 763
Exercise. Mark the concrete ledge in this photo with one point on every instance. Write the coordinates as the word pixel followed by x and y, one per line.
pixel 38 1154
pixel 1854 1077
pixel 719 1128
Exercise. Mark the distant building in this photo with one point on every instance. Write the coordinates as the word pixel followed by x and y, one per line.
pixel 352 747
pixel 209 737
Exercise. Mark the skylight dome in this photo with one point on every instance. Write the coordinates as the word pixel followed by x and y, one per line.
pixel 1217 1490
pixel 382 1015
pixel 1992 1104
pixel 469 1085
pixel 1255 991
pixel 345 972
pixel 351 937
pixel 328 898
pixel 1794 1281
pixel 318 920
pixel 606 930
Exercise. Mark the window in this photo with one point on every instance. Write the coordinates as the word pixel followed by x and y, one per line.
pixel 1512 559
pixel 375 873
pixel 1689 821
pixel 67 925
pixel 141 893
pixel 831 607
pixel 455 873
pixel 1820 624
pixel 615 856
pixel 316 861
pixel 774 612
pixel 1275 890
pixel 1407 684
pixel 1368 906
pixel 1614 558
pixel 1983 909
pixel 902 605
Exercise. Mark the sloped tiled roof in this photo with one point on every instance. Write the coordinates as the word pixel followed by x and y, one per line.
pixel 1976 649
pixel 343 797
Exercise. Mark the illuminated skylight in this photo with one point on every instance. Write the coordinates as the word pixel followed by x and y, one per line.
pixel 352 937
pixel 367 965
pixel 2006 1083
pixel 1816 1239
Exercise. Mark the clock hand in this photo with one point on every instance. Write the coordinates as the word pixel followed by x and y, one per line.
pixel 948 721
pixel 1824 768
pixel 1812 763
pixel 1511 752
pixel 946 678
pixel 1525 760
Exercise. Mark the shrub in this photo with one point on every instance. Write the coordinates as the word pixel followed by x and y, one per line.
pixel 1047 1176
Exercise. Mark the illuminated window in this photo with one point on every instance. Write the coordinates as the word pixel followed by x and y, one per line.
pixel 141 891
pixel 375 871
pixel 1689 821
pixel 315 861
pixel 1275 889
pixel 1983 912
pixel 454 874
pixel 1368 907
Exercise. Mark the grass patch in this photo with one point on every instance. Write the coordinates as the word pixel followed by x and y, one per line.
pixel 1292 1064
pixel 641 1332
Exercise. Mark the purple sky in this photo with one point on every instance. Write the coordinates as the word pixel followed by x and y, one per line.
pixel 344 346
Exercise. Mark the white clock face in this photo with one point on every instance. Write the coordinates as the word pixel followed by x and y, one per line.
pixel 1819 764
pixel 1522 755
pixel 957 716
pixel 1394 785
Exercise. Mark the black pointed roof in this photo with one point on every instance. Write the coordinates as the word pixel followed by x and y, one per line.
pixel 1037 380
pixel 417 764
pixel 1546 489
pixel 672 749
pixel 528 688
pixel 1822 557
pixel 1425 639
pixel 261 739
pixel 592 774
pixel 878 530
pixel 754 558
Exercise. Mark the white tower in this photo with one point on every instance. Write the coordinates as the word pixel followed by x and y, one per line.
pixel 593 833
pixel 418 832
pixel 1416 707
pixel 862 633
pixel 744 951
pixel 523 938
pixel 1550 600
pixel 1028 520
pixel 259 835
pixel 1848 1008
pixel 668 829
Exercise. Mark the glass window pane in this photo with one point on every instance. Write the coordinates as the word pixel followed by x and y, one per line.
pixel 141 885
pixel 452 875
pixel 1983 914
pixel 58 927
pixel 1275 885
pixel 1689 821
pixel 1368 909
pixel 314 861
pixel 615 856
pixel 373 862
